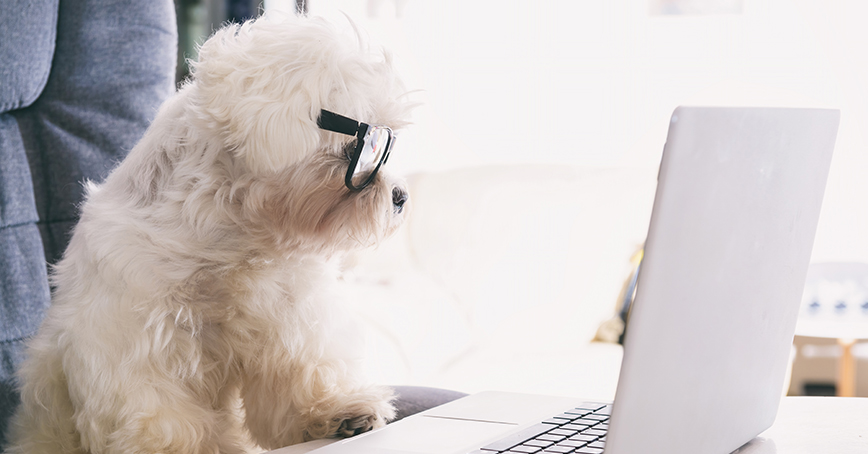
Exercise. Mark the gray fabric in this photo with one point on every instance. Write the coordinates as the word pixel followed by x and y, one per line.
pixel 413 399
pixel 26 49
pixel 111 65
pixel 114 66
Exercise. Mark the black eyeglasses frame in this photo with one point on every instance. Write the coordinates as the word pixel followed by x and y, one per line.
pixel 333 122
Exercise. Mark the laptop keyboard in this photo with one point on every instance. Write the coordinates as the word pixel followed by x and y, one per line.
pixel 580 430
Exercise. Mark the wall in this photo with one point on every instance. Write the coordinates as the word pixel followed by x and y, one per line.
pixel 594 82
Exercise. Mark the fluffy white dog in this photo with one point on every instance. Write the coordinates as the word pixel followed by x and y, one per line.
pixel 193 310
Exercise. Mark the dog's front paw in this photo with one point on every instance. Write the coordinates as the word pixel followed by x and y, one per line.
pixel 366 411
pixel 359 424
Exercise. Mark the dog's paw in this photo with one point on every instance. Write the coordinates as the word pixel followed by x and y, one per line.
pixel 367 411
pixel 359 424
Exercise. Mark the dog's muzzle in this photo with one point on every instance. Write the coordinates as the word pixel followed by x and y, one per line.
pixel 399 198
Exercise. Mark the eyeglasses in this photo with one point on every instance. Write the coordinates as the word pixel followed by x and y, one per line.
pixel 372 146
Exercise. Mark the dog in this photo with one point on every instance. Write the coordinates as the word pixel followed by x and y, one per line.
pixel 195 308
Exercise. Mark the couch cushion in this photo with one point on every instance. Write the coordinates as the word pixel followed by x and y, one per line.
pixel 114 66
pixel 23 282
pixel 24 293
pixel 16 191
pixel 27 37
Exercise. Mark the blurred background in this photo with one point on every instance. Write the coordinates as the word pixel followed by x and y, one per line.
pixel 586 88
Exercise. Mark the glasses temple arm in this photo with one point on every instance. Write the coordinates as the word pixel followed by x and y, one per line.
pixel 331 121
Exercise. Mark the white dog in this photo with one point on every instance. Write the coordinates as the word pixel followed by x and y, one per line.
pixel 193 310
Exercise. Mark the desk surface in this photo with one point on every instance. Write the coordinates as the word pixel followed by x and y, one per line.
pixel 833 329
pixel 815 425
pixel 805 425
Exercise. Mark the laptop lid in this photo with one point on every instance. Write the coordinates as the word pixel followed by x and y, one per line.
pixel 709 336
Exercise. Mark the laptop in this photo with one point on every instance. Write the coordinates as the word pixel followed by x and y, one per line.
pixel 708 340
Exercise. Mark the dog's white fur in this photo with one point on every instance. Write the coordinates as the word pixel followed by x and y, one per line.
pixel 193 309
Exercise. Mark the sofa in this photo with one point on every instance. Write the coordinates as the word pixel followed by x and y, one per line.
pixel 80 80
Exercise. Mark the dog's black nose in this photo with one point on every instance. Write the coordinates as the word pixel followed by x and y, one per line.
pixel 399 198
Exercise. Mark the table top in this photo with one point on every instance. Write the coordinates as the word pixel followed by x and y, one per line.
pixel 833 329
pixel 815 425
pixel 805 425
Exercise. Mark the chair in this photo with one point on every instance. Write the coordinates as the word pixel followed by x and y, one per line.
pixel 79 83
pixel 835 306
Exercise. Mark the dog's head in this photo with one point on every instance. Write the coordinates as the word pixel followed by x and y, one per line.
pixel 270 89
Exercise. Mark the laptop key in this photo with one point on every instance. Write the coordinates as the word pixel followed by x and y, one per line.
pixel 538 442
pixel 586 422
pixel 592 406
pixel 559 449
pixel 518 438
pixel 551 438
pixel 525 449
pixel 573 443
pixel 584 437
pixel 596 417
pixel 598 433
pixel 607 410
pixel 588 450
pixel 565 433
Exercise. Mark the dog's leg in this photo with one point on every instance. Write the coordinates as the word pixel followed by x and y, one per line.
pixel 141 406
pixel 292 403
pixel 160 417
pixel 233 436
pixel 43 423
pixel 168 406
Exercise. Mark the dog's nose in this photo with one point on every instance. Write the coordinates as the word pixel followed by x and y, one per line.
pixel 399 198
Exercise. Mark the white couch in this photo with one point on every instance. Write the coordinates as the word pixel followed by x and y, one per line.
pixel 500 278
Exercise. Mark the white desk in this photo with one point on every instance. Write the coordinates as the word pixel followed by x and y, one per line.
pixel 805 425
pixel 815 425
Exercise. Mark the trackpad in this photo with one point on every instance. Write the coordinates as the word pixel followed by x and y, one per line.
pixel 426 434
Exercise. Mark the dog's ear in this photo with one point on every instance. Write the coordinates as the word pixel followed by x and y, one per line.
pixel 260 93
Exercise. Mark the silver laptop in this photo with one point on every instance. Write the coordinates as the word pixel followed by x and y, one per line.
pixel 708 340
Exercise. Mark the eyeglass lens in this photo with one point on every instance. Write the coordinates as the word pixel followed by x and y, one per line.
pixel 375 144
